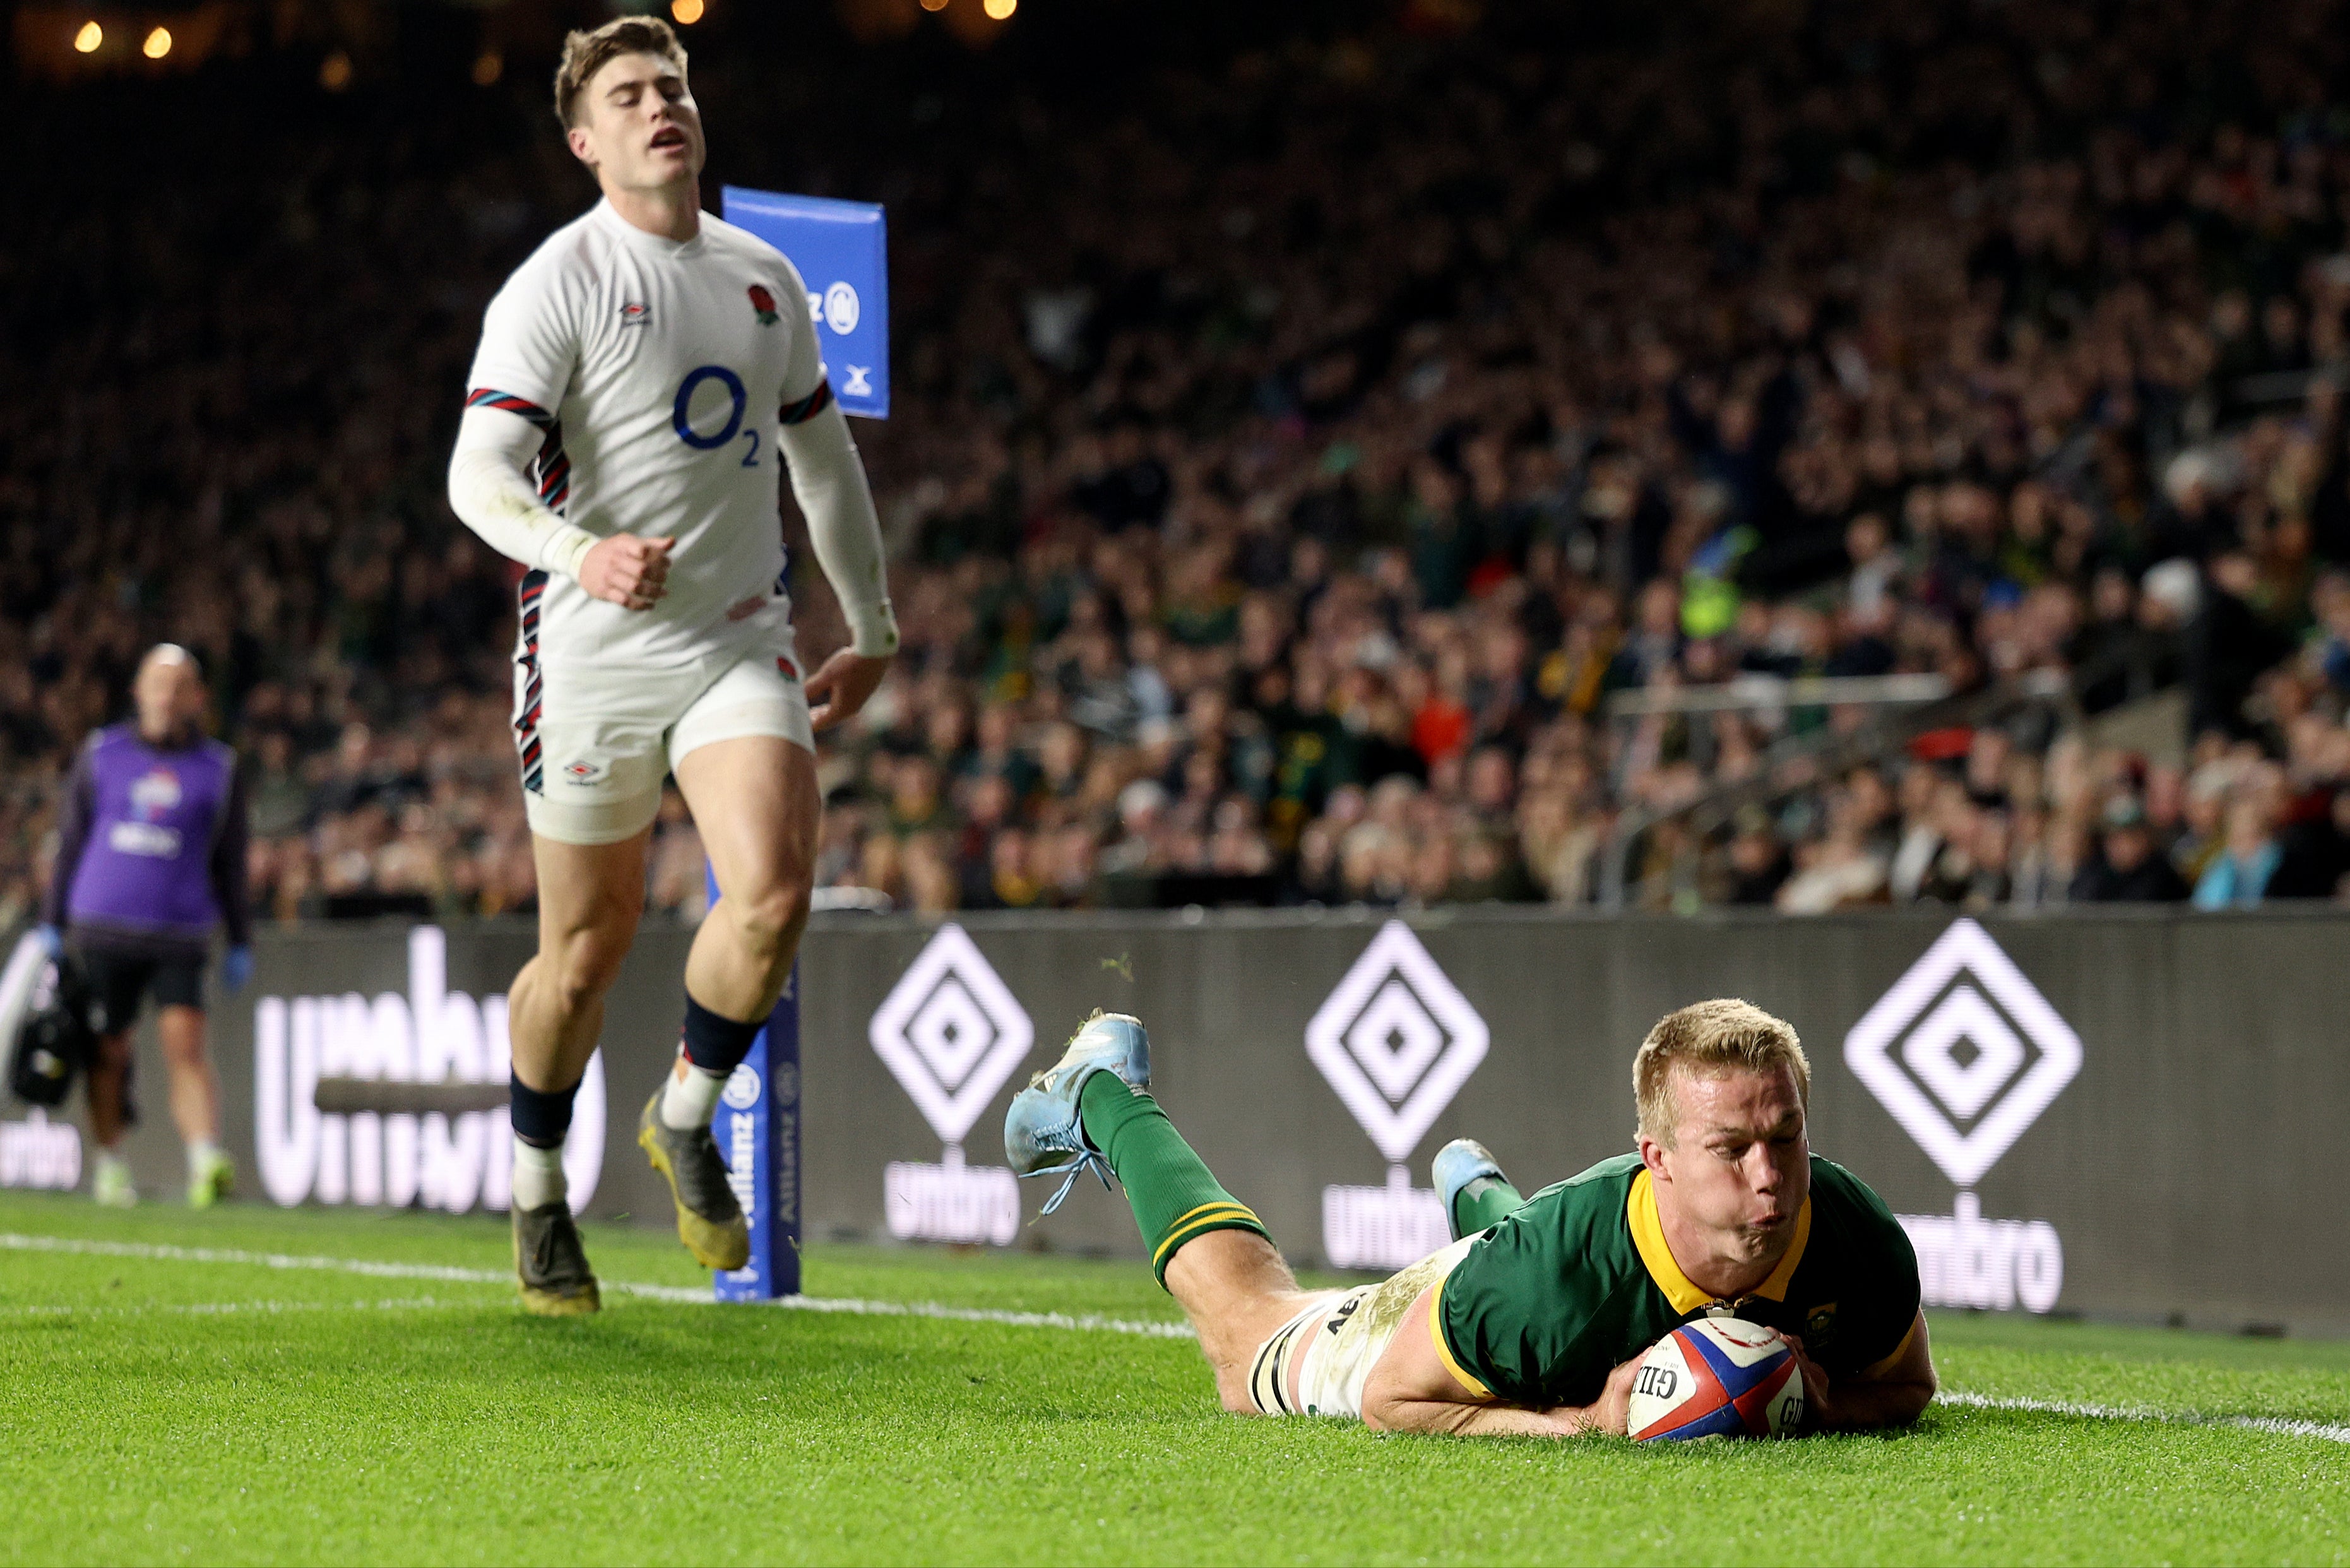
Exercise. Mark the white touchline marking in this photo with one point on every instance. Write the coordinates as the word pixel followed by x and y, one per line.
pixel 158 1252
pixel 2277 1426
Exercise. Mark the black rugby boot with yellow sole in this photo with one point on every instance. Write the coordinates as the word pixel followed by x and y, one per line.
pixel 709 1216
pixel 551 1266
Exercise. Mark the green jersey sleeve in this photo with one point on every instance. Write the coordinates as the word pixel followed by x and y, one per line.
pixel 1869 1278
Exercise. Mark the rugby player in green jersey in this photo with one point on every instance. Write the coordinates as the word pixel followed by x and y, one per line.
pixel 1534 1320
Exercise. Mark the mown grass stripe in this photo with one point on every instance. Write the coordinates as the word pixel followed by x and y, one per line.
pixel 2276 1426
pixel 230 1309
pixel 162 1252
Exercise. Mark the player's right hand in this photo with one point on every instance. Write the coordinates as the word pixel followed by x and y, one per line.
pixel 1612 1411
pixel 628 571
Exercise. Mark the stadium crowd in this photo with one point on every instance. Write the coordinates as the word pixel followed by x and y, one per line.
pixel 1291 463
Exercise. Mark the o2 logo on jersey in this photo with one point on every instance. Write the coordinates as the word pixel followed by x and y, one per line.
pixel 699 436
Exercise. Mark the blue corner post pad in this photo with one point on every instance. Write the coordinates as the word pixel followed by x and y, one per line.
pixel 842 252
pixel 757 1125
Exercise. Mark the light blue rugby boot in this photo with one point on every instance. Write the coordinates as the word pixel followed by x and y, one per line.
pixel 1041 1133
pixel 1465 1167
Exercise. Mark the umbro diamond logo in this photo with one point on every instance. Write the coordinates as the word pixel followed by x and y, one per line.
pixel 951 1031
pixel 1396 1040
pixel 1964 1051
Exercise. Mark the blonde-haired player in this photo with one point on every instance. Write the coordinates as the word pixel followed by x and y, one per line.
pixel 1533 1321
pixel 642 381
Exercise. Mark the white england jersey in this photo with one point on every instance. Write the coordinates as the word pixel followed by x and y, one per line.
pixel 660 373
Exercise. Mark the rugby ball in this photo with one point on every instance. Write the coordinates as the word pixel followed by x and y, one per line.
pixel 1717 1377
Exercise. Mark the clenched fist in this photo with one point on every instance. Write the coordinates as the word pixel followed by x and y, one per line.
pixel 628 571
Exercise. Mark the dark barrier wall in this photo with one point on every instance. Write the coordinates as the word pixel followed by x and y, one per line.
pixel 2134 1118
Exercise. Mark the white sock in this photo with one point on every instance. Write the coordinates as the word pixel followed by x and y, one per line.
pixel 691 1096
pixel 538 1176
pixel 110 1159
pixel 201 1155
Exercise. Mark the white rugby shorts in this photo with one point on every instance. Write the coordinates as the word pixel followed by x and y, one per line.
pixel 1318 1363
pixel 596 741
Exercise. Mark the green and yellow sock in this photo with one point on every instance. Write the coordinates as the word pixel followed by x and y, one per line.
pixel 1488 1200
pixel 1176 1197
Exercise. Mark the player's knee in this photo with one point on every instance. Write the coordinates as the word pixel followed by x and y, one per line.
pixel 771 919
pixel 182 1048
pixel 584 969
pixel 1235 1394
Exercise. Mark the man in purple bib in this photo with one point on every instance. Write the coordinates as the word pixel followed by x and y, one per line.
pixel 150 861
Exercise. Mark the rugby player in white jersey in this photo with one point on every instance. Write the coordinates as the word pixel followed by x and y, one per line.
pixel 641 382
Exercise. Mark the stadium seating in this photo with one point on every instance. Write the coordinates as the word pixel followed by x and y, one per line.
pixel 1294 462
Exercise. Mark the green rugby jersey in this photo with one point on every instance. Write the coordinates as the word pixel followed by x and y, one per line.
pixel 1579 1281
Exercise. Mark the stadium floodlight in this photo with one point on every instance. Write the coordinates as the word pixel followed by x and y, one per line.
pixel 91 36
pixel 1001 10
pixel 158 44
pixel 686 13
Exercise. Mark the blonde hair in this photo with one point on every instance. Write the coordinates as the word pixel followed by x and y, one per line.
pixel 1718 1036
pixel 586 53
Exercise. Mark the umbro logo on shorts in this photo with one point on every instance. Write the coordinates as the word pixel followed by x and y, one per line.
pixel 635 315
pixel 585 773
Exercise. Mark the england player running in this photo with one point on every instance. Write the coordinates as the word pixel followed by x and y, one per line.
pixel 642 379
pixel 1533 1321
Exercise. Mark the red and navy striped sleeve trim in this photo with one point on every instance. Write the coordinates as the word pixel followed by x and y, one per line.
pixel 808 408
pixel 553 470
pixel 553 467
pixel 490 398
pixel 528 595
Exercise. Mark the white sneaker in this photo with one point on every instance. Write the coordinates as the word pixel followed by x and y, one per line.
pixel 211 1178
pixel 110 1186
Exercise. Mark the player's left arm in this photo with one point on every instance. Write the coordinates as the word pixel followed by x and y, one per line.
pixel 1892 1393
pixel 829 484
pixel 1418 1385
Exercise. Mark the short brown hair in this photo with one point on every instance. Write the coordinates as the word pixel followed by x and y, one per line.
pixel 585 54
pixel 1722 1035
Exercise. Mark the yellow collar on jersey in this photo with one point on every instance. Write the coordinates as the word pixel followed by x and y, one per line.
pixel 1649 1236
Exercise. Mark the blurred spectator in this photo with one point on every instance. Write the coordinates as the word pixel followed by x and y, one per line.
pixel 2127 866
pixel 1294 454
pixel 2239 878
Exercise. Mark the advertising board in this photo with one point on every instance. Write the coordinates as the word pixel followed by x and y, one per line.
pixel 2121 1115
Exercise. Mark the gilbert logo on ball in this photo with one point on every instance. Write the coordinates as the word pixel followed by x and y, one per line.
pixel 1717 1377
pixel 1965 1053
pixel 1396 1040
pixel 951 1032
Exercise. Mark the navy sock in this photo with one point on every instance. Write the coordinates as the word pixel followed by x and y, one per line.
pixel 716 1045
pixel 541 1117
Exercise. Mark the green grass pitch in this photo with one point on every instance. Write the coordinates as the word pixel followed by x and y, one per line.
pixel 216 1410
